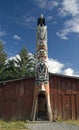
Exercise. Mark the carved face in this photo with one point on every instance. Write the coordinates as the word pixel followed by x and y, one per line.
pixel 41 33
pixel 41 53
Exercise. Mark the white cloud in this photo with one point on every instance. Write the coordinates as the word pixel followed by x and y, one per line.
pixel 30 22
pixel 2 33
pixel 73 24
pixel 70 26
pixel 14 57
pixel 69 7
pixel 30 19
pixel 55 66
pixel 31 56
pixel 16 37
pixel 49 18
pixel 62 34
pixel 52 4
pixel 46 4
pixel 68 71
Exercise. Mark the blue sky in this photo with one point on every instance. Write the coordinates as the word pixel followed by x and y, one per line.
pixel 18 20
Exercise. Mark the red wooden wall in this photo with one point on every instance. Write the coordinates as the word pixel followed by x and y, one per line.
pixel 64 97
pixel 16 98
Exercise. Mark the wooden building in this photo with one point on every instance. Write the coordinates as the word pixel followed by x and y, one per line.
pixel 16 98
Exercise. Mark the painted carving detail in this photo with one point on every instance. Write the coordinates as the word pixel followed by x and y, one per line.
pixel 41 55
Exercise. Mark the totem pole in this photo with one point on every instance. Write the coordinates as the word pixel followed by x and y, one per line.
pixel 41 70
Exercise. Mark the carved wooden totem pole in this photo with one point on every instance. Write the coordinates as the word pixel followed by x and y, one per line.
pixel 41 101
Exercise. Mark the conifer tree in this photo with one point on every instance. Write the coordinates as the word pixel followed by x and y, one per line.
pixel 25 64
pixel 3 58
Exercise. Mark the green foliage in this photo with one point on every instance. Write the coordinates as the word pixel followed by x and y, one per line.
pixel 3 57
pixel 13 125
pixel 11 71
pixel 23 65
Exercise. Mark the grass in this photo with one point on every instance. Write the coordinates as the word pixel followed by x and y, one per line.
pixel 20 125
pixel 73 122
pixel 13 125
